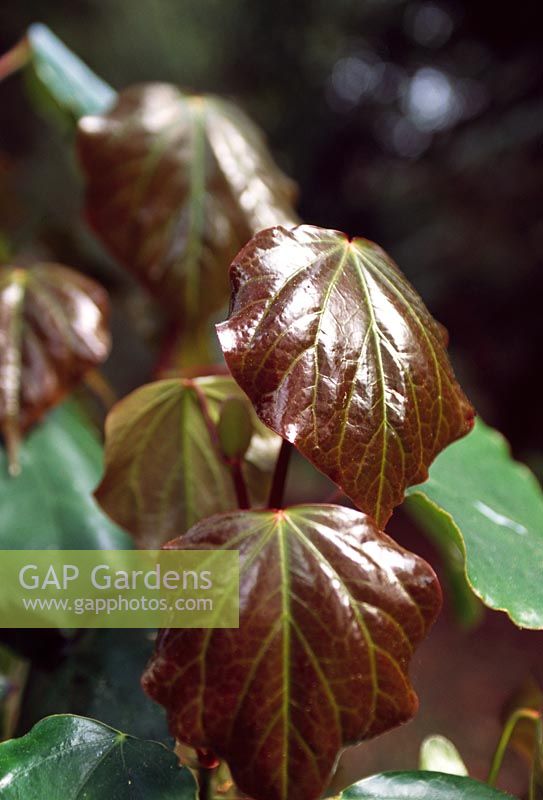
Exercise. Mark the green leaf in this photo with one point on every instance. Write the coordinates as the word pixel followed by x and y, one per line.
pixel 63 78
pixel 340 356
pixel 50 504
pixel 235 427
pixel 97 675
pixel 176 184
pixel 67 758
pixel 490 506
pixel 165 469
pixel 331 610
pixel 438 754
pixel 421 786
pixel 53 329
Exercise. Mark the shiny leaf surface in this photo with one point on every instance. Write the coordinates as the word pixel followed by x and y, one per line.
pixel 164 465
pixel 330 612
pixel 491 507
pixel 53 329
pixel 67 758
pixel 50 504
pixel 421 786
pixel 176 184
pixel 340 356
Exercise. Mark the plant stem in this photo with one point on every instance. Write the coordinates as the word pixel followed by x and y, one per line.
pixel 204 783
pixel 14 59
pixel 239 484
pixel 277 490
pixel 509 727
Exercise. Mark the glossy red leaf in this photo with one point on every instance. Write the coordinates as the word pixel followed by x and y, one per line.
pixel 331 610
pixel 340 356
pixel 176 184
pixel 165 467
pixel 53 329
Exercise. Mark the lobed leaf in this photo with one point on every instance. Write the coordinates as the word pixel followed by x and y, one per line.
pixel 481 500
pixel 176 184
pixel 165 468
pixel 66 758
pixel 421 786
pixel 53 329
pixel 340 356
pixel 331 610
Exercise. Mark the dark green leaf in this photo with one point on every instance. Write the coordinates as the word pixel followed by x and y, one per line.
pixel 331 610
pixel 164 466
pixel 176 184
pixel 73 88
pixel 53 329
pixel 340 356
pixel 421 786
pixel 97 675
pixel 491 507
pixel 50 505
pixel 68 758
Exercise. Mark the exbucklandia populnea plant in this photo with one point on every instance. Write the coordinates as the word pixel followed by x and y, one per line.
pixel 328 351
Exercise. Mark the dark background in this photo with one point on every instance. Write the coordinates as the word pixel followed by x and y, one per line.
pixel 416 123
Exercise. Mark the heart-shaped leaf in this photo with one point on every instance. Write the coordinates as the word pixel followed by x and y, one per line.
pixel 491 507
pixel 176 184
pixel 340 356
pixel 67 758
pixel 421 786
pixel 53 329
pixel 330 612
pixel 50 505
pixel 164 465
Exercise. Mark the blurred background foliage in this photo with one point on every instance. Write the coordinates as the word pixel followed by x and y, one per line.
pixel 416 123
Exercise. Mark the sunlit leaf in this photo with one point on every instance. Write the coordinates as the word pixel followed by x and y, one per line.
pixel 491 507
pixel 50 504
pixel 67 82
pixel 421 786
pixel 58 80
pixel 164 466
pixel 176 184
pixel 53 329
pixel 340 356
pixel 66 757
pixel 439 754
pixel 331 610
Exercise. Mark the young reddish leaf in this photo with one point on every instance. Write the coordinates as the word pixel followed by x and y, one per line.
pixel 330 612
pixel 165 468
pixel 340 356
pixel 176 184
pixel 53 329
